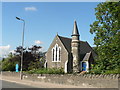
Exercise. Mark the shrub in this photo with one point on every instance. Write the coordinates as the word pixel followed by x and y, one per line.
pixel 98 71
pixel 46 71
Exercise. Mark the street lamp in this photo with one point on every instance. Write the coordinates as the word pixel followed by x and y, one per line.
pixel 22 45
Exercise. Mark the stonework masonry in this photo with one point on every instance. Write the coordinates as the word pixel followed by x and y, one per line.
pixel 98 81
pixel 75 49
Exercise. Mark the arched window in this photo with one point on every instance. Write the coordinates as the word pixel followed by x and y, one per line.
pixel 59 54
pixel 56 53
pixel 53 54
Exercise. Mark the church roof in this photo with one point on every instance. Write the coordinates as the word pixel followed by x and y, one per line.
pixel 66 42
pixel 84 46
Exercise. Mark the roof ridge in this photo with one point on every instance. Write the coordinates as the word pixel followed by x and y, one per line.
pixel 71 38
pixel 65 37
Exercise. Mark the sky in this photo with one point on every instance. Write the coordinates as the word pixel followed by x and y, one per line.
pixel 43 20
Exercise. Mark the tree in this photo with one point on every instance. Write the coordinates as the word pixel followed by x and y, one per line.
pixel 107 36
pixel 39 60
pixel 19 50
pixel 35 51
pixel 8 64
pixel 32 59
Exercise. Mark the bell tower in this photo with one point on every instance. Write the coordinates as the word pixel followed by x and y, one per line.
pixel 75 48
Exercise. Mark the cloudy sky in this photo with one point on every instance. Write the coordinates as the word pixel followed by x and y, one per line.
pixel 43 22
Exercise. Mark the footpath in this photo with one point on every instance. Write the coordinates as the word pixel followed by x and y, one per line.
pixel 38 84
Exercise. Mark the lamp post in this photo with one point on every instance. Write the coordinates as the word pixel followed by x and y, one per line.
pixel 22 45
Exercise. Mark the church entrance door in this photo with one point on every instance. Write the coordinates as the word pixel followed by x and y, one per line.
pixel 83 66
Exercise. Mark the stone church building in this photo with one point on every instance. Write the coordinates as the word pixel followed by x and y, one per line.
pixel 71 54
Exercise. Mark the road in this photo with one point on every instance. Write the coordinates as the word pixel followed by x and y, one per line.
pixel 15 86
pixel 6 84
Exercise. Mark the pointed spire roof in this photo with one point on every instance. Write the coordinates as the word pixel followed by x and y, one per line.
pixel 75 29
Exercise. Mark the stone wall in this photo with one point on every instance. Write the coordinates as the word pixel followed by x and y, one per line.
pixel 99 81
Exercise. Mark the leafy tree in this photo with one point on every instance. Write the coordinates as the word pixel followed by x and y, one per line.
pixel 32 59
pixel 107 36
pixel 39 60
pixel 19 50
pixel 8 64
pixel 34 49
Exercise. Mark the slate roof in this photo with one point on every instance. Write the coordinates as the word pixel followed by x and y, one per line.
pixel 66 42
pixel 84 46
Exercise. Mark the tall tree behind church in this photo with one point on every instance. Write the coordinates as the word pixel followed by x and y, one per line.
pixel 39 60
pixel 107 36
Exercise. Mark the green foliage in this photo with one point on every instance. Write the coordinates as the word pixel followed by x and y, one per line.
pixel 107 37
pixel 8 64
pixel 32 59
pixel 116 71
pixel 39 63
pixel 99 71
pixel 112 0
pixel 46 71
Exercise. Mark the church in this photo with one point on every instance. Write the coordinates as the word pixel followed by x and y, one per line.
pixel 71 54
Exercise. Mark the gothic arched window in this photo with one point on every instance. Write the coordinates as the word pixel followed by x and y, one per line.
pixel 56 51
pixel 59 54
pixel 53 54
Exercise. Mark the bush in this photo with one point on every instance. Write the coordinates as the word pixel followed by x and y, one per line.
pixel 98 71
pixel 112 71
pixel 46 71
pixel 8 65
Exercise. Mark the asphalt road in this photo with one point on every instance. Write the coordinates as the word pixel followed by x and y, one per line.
pixel 15 86
pixel 6 84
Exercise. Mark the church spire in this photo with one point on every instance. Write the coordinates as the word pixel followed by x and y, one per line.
pixel 75 30
pixel 75 49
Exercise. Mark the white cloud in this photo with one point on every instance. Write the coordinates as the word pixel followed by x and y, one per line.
pixel 4 50
pixel 5 47
pixel 38 42
pixel 30 8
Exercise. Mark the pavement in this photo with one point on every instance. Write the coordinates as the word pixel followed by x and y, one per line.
pixel 38 84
